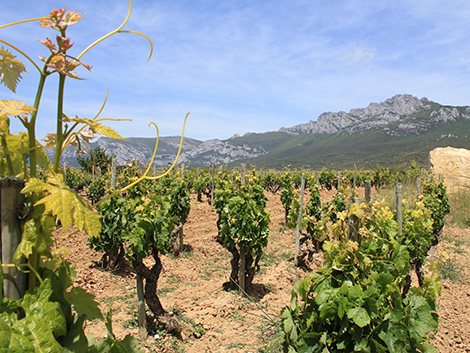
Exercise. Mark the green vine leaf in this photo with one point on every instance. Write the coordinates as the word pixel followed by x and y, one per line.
pixel 65 204
pixel 36 235
pixel 43 322
pixel 360 316
pixel 13 340
pixel 10 69
pixel 83 303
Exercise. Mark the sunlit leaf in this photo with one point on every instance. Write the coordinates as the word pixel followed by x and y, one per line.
pixel 64 203
pixel 15 108
pixel 10 69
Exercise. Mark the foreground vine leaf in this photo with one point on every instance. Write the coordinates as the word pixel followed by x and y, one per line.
pixel 10 69
pixel 65 204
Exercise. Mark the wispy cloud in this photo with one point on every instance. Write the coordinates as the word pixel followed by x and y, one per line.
pixel 254 66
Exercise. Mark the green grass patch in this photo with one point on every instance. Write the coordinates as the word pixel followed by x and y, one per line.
pixel 409 195
pixel 453 270
pixel 460 208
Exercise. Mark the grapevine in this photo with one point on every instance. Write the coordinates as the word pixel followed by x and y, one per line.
pixel 354 302
pixel 243 227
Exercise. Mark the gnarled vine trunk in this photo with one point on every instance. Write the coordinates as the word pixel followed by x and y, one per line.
pixel 111 259
pixel 235 264
pixel 233 280
pixel 174 239
pixel 151 276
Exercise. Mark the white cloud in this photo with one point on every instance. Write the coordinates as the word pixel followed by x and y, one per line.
pixel 254 66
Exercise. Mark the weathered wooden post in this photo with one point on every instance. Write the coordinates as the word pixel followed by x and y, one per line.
pixel 367 189
pixel 113 172
pixel 14 281
pixel 243 173
pixel 212 186
pixel 353 221
pixel 299 220
pixel 142 317
pixel 338 185
pixel 354 183
pixel 398 197
pixel 418 185
pixel 242 270
pixel 317 179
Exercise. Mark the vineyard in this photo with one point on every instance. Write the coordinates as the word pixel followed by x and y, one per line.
pixel 108 258
pixel 195 283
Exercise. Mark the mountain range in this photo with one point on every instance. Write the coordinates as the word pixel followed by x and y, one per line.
pixel 392 133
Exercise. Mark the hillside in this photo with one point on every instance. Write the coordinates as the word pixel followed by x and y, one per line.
pixel 367 149
pixel 391 133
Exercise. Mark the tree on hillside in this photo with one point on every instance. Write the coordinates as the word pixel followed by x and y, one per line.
pixel 98 158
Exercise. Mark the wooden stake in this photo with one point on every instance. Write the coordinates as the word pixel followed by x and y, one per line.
pixel 299 220
pixel 242 271
pixel 212 188
pixel 141 307
pixel 367 187
pixel 113 173
pixel 398 197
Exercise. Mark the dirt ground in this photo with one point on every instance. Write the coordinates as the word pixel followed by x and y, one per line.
pixel 216 320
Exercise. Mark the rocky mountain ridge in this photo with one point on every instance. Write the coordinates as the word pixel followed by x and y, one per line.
pixel 398 116
pixel 401 115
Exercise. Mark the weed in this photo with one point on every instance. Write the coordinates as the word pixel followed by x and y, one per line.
pixel 131 323
pixel 456 244
pixel 235 345
pixel 237 317
pixel 196 329
pixel 453 270
pixel 161 292
pixel 219 330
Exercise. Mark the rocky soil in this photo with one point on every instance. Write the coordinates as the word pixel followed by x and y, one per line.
pixel 216 320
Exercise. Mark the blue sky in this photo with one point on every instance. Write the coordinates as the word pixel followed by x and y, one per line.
pixel 247 66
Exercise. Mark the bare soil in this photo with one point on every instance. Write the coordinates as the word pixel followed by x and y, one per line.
pixel 216 320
